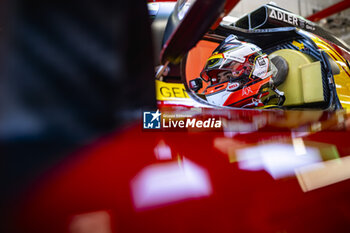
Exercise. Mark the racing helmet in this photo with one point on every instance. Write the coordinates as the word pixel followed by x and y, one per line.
pixel 242 67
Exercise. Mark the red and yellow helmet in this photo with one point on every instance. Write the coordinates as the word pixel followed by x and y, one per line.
pixel 236 71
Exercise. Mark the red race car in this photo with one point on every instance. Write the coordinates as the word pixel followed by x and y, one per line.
pixel 197 164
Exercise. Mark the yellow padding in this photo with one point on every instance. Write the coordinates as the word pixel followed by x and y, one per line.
pixel 312 82
pixel 304 81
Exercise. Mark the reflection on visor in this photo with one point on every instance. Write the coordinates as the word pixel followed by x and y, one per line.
pixel 218 70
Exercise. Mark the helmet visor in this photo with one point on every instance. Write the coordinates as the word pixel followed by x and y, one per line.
pixel 221 70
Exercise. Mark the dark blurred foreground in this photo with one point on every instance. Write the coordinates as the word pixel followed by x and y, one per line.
pixel 70 73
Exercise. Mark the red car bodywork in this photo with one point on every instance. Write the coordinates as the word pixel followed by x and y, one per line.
pixel 192 181
pixel 96 187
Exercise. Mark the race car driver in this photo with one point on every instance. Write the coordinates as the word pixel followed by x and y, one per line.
pixel 238 74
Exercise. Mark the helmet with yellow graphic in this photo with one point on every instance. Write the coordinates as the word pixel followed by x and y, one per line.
pixel 236 67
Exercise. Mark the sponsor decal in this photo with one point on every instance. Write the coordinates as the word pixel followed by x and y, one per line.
pixel 285 17
pixel 232 86
pixel 247 91
pixel 309 27
pixel 170 91
pixel 261 61
pixel 261 67
pixel 230 55
pixel 152 120
pixel 291 19
pixel 235 58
